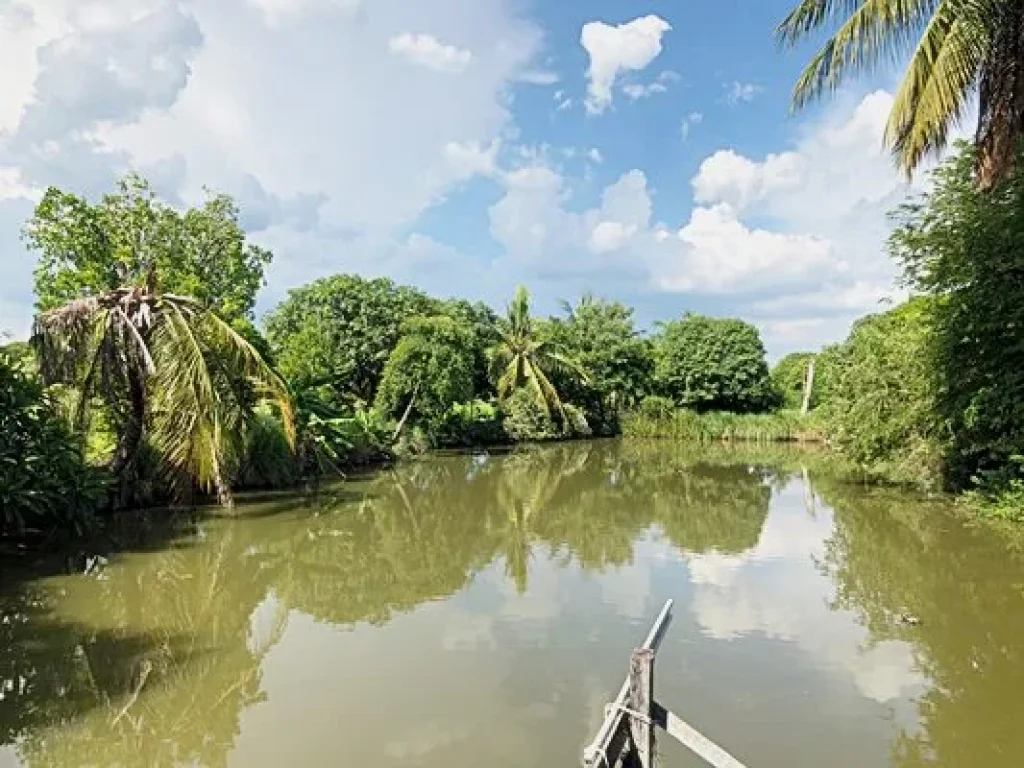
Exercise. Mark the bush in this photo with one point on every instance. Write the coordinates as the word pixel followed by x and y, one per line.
pixel 881 410
pixel 526 420
pixel 576 424
pixel 469 424
pixel 45 482
pixel 713 364
pixel 657 408
pixel 268 460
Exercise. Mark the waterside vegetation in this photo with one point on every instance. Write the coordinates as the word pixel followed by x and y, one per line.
pixel 147 381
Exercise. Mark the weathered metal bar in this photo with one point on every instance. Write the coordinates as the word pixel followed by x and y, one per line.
pixel 693 739
pixel 605 749
pixel 641 701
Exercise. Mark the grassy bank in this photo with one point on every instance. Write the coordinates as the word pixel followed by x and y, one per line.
pixel 781 426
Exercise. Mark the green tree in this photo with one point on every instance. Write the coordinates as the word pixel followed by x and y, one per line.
pixel 789 377
pixel 336 334
pixel 482 321
pixel 601 336
pixel 522 359
pixel 170 371
pixel 961 45
pixel 881 410
pixel 965 248
pixel 710 364
pixel 429 370
pixel 131 238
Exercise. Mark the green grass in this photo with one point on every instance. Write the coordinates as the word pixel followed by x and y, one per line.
pixel 781 426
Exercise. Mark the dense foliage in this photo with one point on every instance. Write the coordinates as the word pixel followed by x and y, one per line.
pixel 707 363
pixel 430 370
pixel 881 412
pixel 966 248
pixel 45 482
pixel 335 335
pixel 602 337
pixel 131 238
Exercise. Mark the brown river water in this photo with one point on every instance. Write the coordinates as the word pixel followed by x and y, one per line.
pixel 480 610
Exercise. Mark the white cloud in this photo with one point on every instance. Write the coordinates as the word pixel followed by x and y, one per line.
pixel 692 119
pixel 539 77
pixel 468 159
pixel 277 12
pixel 731 178
pixel 332 144
pixel 595 155
pixel 628 47
pixel 611 236
pixel 428 51
pixel 725 255
pixel 737 92
pixel 636 91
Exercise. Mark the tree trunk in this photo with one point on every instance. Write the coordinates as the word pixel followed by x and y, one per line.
pixel 1001 98
pixel 808 387
pixel 123 466
pixel 408 410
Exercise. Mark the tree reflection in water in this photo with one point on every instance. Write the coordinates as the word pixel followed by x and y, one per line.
pixel 203 612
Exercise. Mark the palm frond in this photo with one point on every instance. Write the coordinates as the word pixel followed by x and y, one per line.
pixel 874 30
pixel 935 91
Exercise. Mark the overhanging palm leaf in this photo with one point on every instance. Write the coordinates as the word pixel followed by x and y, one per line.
pixel 959 44
pixel 165 365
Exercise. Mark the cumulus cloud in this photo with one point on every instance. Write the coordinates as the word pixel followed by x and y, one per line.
pixel 628 47
pixel 332 143
pixel 428 51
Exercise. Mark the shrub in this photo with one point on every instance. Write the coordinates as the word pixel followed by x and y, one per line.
pixel 44 479
pixel 526 420
pixel 881 411
pixel 469 424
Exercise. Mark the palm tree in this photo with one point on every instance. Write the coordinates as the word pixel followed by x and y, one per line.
pixel 961 45
pixel 169 371
pixel 520 358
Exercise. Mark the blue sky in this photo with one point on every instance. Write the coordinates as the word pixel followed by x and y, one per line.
pixel 641 151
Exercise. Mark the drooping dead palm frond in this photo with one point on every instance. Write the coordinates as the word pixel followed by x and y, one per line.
pixel 166 366
pixel 957 46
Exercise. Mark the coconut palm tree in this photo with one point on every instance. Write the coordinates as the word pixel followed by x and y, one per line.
pixel 170 372
pixel 521 359
pixel 959 47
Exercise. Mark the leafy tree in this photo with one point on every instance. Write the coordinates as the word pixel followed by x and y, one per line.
pixel 336 334
pixel 966 249
pixel 601 336
pixel 170 371
pixel 482 322
pixel 881 410
pixel 131 238
pixel 522 360
pixel 960 45
pixel 708 363
pixel 789 378
pixel 429 371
